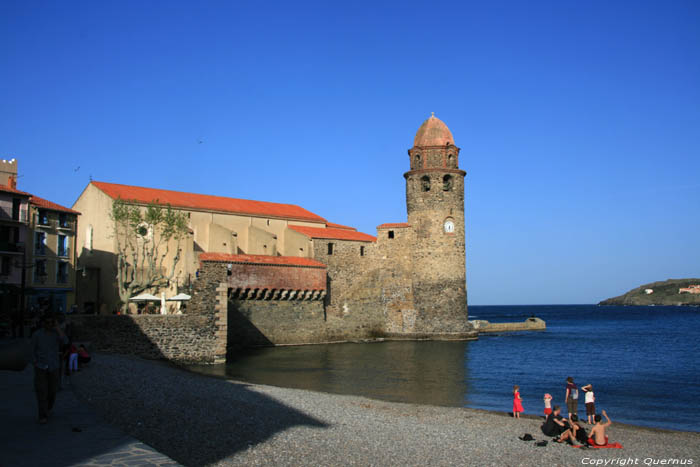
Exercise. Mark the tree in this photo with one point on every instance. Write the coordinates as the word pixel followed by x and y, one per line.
pixel 144 238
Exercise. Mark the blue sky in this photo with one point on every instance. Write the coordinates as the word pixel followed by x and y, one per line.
pixel 579 122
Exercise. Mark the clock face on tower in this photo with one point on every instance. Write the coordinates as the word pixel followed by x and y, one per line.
pixel 449 226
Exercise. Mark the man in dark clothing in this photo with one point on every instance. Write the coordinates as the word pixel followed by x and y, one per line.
pixel 555 424
pixel 46 344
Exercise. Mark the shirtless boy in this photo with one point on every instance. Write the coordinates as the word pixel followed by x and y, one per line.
pixel 598 431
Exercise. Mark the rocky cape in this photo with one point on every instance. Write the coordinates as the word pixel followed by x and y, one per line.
pixel 665 293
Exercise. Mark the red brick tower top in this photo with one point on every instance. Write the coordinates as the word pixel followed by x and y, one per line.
pixel 433 132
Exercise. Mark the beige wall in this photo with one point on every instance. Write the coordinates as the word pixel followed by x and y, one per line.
pixel 221 239
pixel 212 232
pixel 261 242
pixel 297 244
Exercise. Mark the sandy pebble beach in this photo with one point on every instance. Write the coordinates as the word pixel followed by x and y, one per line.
pixel 199 420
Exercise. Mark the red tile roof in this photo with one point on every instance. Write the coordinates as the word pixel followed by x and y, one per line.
pixel 261 259
pixel 400 225
pixel 46 204
pixel 337 234
pixel 207 202
pixel 333 225
pixel 13 190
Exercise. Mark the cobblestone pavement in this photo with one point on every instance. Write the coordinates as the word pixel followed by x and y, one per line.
pixel 74 435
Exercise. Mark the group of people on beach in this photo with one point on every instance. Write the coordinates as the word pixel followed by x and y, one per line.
pixel 570 430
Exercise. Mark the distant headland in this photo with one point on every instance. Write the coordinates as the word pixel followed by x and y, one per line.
pixel 668 292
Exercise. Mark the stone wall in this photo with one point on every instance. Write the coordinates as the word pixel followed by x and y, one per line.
pixel 347 263
pixel 268 322
pixel 179 338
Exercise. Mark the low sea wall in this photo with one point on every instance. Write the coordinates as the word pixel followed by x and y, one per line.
pixel 180 338
pixel 530 324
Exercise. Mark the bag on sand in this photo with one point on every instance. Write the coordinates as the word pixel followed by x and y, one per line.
pixel 526 437
pixel 541 443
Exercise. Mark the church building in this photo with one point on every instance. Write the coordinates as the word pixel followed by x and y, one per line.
pixel 284 275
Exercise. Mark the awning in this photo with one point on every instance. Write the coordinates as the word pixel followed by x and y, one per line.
pixel 181 297
pixel 144 297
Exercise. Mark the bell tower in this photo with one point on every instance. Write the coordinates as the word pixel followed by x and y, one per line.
pixel 435 205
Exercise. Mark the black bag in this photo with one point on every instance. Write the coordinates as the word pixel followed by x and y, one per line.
pixel 526 437
pixel 541 443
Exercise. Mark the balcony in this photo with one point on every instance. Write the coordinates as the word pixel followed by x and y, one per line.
pixel 17 216
pixel 42 221
pixel 60 224
pixel 63 224
pixel 10 247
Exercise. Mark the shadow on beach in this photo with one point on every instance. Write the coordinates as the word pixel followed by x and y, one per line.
pixel 193 419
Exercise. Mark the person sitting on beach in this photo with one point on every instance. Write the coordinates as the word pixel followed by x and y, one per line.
pixel 579 432
pixel 597 435
pixel 555 425
pixel 83 356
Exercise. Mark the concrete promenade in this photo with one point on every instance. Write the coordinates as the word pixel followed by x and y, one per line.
pixel 74 435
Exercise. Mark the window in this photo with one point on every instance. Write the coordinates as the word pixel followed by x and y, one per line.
pixel 417 159
pixel 63 220
pixel 330 248
pixel 16 204
pixel 425 183
pixel 43 217
pixel 5 266
pixel 450 160
pixel 40 243
pixel 391 234
pixel 62 272
pixel 40 270
pixel 362 251
pixel 88 238
pixel 447 183
pixel 62 245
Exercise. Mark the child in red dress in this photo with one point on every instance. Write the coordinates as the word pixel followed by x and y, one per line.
pixel 517 402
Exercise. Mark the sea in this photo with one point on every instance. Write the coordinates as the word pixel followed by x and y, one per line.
pixel 643 363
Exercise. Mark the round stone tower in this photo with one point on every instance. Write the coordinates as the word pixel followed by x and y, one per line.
pixel 435 205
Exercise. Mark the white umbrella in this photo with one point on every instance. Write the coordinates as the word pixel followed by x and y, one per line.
pixel 181 297
pixel 163 310
pixel 144 297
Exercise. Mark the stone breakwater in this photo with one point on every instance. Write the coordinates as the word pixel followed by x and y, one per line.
pixel 530 324
pixel 199 420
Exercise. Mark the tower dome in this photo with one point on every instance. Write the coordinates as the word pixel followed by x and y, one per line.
pixel 433 132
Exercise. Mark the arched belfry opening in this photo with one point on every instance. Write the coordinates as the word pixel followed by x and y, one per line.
pixel 425 183
pixel 447 183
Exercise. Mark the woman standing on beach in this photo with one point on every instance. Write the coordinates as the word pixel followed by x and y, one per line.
pixel 571 396
pixel 517 402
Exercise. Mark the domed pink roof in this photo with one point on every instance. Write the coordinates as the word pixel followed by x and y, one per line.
pixel 433 132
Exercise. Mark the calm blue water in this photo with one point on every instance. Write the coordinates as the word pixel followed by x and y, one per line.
pixel 642 361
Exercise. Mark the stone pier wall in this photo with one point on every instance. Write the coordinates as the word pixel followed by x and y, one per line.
pixel 178 338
